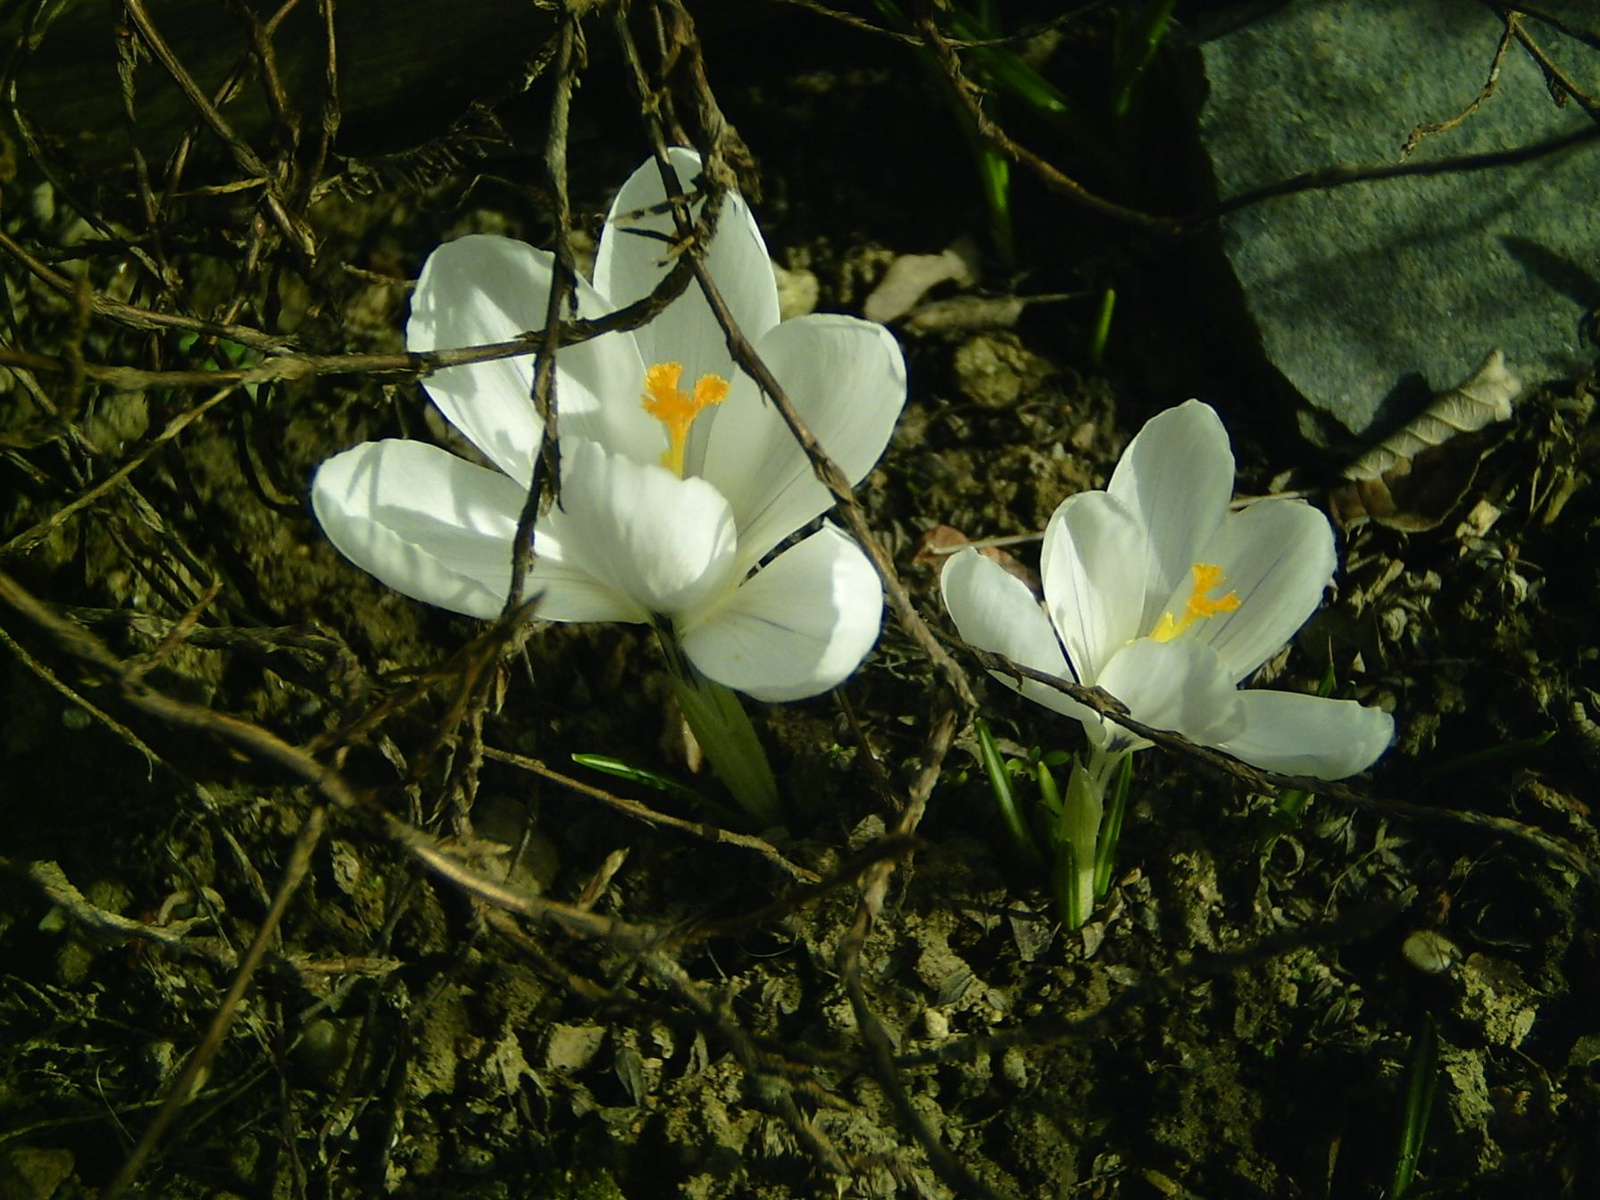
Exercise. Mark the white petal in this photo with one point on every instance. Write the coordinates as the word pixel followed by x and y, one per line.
pixel 628 266
pixel 1177 477
pixel 665 543
pixel 799 626
pixel 1278 556
pixel 995 611
pixel 568 591
pixel 847 380
pixel 481 289
pixel 1179 685
pixel 1307 735
pixel 1093 564
pixel 428 524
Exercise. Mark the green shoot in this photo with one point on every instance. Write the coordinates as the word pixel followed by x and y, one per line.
pixel 1422 1078
pixel 1111 828
pixel 994 766
pixel 1101 333
pixel 623 770
pixel 994 175
pixel 1140 28
pixel 1049 793
pixel 1489 754
pixel 1077 828
pixel 1064 886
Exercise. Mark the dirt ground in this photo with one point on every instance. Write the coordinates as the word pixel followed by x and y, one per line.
pixel 239 776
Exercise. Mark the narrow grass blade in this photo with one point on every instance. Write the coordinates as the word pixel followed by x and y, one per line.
pixel 1101 333
pixel 1422 1079
pixel 1105 855
pixel 615 767
pixel 1000 784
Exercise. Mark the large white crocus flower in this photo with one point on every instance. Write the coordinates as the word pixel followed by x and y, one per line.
pixel 678 478
pixel 1156 592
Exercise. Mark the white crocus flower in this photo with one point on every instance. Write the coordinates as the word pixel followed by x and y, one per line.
pixel 1159 594
pixel 678 478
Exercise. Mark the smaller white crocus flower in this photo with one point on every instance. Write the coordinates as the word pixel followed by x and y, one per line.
pixel 1156 592
pixel 678 478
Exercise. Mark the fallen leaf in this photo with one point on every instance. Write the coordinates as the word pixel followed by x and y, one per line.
pixel 912 276
pixel 936 545
pixel 1417 475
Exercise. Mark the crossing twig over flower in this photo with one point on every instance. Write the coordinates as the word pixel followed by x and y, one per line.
pixel 679 479
pixel 1157 593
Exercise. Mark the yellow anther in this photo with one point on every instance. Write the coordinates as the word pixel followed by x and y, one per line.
pixel 1207 578
pixel 675 408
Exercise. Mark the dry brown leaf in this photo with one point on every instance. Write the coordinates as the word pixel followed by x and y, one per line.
pixel 1484 399
pixel 912 276
pixel 936 545
pixel 1412 479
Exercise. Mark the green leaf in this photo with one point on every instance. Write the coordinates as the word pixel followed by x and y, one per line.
pixel 1105 857
pixel 1422 1079
pixel 729 741
pixel 994 766
pixel 623 770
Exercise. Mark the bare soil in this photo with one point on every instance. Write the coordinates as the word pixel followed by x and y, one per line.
pixel 487 982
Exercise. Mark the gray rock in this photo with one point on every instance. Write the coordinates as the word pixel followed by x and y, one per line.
pixel 1369 296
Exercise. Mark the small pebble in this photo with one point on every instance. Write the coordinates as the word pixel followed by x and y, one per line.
pixel 1429 951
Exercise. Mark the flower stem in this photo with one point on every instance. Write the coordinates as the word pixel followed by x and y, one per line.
pixel 724 732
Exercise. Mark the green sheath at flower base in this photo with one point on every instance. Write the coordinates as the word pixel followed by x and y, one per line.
pixel 729 741
pixel 1079 834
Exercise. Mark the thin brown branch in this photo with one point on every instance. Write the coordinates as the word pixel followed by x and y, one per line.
pixel 113 928
pixel 135 317
pixel 966 94
pixel 295 232
pixel 827 471
pixel 1589 37
pixel 182 1087
pixel 880 1050
pixel 1556 77
pixel 563 276
pixel 1155 985
pixel 1561 852
pixel 54 681
pixel 1414 139
pixel 330 115
pixel 894 847
pixel 40 530
pixel 772 1088
pixel 288 365
pixel 633 809
pixel 862 25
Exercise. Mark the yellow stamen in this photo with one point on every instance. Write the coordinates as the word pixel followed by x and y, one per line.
pixel 675 408
pixel 1199 606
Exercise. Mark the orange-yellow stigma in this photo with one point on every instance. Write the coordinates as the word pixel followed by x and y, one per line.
pixel 675 408
pixel 1199 606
